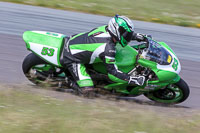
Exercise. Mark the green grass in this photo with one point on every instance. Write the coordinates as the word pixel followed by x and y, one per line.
pixel 178 12
pixel 24 111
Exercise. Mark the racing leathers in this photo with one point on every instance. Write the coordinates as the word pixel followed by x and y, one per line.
pixel 92 47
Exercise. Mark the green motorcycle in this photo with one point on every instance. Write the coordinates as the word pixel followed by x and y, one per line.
pixel 154 60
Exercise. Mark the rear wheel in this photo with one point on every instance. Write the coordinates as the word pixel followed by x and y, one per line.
pixel 40 72
pixel 172 94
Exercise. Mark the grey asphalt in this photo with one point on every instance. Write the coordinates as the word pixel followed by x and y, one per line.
pixel 16 18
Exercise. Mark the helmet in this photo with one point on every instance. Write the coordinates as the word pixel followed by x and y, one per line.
pixel 121 28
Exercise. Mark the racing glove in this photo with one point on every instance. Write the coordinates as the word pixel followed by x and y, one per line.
pixel 140 37
pixel 138 80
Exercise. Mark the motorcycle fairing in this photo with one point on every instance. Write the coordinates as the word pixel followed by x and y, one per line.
pixel 47 45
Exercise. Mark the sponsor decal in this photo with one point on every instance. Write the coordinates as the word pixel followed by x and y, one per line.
pixel 112 60
pixel 52 34
pixel 112 51
pixel 74 69
pixel 169 59
pixel 96 34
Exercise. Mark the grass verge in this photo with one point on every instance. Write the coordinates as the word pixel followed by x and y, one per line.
pixel 25 111
pixel 177 12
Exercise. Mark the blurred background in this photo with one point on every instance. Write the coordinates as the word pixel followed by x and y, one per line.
pixel 178 12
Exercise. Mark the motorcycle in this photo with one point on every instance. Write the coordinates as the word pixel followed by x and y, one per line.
pixel 154 60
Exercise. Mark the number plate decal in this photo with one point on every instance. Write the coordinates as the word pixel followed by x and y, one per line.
pixel 175 64
pixel 47 51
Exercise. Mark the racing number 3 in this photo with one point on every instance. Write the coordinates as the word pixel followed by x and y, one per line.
pixel 47 51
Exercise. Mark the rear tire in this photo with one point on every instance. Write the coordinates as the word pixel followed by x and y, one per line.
pixel 44 74
pixel 30 61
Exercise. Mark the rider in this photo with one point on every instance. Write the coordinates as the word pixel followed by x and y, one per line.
pixel 98 45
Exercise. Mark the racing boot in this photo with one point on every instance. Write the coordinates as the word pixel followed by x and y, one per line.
pixel 137 80
pixel 88 92
pixel 84 91
pixel 76 89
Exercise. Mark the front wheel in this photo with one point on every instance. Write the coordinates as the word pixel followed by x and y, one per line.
pixel 172 94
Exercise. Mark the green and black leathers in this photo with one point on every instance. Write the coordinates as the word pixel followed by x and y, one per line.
pixel 89 48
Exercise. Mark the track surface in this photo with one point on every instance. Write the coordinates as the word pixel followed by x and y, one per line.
pixel 15 19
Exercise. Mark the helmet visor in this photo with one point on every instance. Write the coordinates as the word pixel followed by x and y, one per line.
pixel 128 36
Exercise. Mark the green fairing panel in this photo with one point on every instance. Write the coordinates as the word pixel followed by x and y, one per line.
pixel 48 40
pixel 166 76
pixel 163 76
pixel 147 63
pixel 125 58
pixel 119 87
pixel 125 61
pixel 115 79
pixel 47 45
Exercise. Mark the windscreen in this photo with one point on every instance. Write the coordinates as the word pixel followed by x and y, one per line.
pixel 158 53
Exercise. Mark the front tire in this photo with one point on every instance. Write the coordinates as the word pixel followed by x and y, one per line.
pixel 172 94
